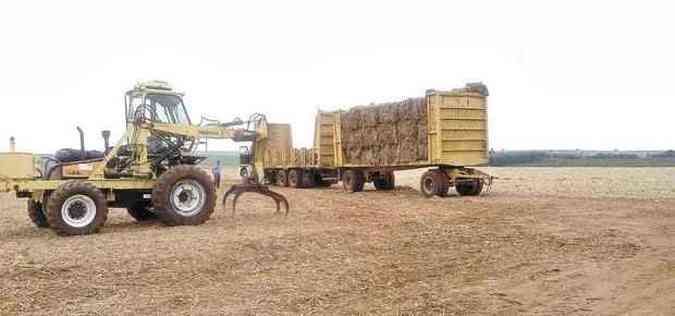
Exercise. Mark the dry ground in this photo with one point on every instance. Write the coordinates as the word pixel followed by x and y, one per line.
pixel 545 241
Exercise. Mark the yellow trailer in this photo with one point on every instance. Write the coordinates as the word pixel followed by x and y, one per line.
pixel 448 132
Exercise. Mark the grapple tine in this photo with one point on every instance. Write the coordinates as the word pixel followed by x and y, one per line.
pixel 229 191
pixel 278 198
pixel 253 187
pixel 234 201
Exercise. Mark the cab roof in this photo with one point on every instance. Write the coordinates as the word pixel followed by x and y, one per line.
pixel 154 87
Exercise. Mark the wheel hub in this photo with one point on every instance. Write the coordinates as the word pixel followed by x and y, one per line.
pixel 188 197
pixel 428 184
pixel 78 211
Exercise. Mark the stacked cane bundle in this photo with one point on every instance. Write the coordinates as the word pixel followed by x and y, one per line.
pixel 385 134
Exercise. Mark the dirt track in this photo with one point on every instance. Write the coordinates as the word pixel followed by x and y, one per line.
pixel 550 249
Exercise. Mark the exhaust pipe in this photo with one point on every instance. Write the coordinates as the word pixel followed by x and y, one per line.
pixel 106 141
pixel 83 152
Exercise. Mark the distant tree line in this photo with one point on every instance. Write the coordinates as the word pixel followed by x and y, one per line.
pixel 579 158
pixel 665 154
pixel 511 158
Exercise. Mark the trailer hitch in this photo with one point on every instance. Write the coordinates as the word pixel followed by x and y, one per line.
pixel 251 184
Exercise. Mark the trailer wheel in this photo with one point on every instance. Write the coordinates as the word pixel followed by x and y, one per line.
pixel 184 195
pixel 470 188
pixel 140 211
pixel 434 182
pixel 319 181
pixel 353 180
pixel 308 179
pixel 295 178
pixel 36 213
pixel 77 208
pixel 385 182
pixel 269 177
pixel 444 183
pixel 281 178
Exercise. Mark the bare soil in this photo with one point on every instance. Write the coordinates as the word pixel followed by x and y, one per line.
pixel 544 241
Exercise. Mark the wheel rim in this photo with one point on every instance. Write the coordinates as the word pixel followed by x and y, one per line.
pixel 348 180
pixel 292 178
pixel 78 211
pixel 188 197
pixel 428 185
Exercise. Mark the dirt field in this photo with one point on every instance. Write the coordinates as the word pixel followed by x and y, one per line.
pixel 545 241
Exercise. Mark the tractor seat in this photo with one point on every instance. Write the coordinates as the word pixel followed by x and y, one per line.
pixel 71 155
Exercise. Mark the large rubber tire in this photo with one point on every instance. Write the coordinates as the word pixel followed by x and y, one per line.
pixel 472 188
pixel 295 178
pixel 281 178
pixel 140 211
pixel 320 182
pixel 181 185
pixel 36 213
pixel 353 180
pixel 270 178
pixel 434 183
pixel 308 179
pixel 77 208
pixel 385 182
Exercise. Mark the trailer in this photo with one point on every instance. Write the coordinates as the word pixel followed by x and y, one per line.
pixel 445 131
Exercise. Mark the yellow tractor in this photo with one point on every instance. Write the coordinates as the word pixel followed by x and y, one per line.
pixel 153 171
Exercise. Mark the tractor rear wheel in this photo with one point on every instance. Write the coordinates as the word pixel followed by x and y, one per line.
pixel 36 213
pixel 77 208
pixel 434 182
pixel 385 182
pixel 353 180
pixel 295 178
pixel 281 178
pixel 184 195
pixel 470 188
pixel 140 211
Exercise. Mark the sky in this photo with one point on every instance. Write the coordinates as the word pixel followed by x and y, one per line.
pixel 562 74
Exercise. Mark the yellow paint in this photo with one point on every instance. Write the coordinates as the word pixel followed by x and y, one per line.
pixel 16 165
pixel 456 126
pixel 110 184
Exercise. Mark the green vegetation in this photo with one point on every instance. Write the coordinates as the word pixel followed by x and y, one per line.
pixel 540 158
pixel 227 158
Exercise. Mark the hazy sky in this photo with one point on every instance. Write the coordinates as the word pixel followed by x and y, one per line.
pixel 564 74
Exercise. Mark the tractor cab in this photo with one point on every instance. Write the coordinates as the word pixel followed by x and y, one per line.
pixel 155 101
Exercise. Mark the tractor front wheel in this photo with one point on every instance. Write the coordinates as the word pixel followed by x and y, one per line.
pixel 184 195
pixel 77 208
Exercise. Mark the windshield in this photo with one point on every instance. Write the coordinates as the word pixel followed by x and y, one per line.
pixel 160 108
pixel 168 108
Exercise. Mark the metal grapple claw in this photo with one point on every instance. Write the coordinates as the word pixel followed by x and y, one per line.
pixel 252 186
